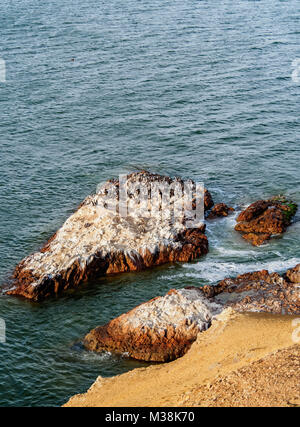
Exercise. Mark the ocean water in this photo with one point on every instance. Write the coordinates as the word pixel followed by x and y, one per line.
pixel 200 89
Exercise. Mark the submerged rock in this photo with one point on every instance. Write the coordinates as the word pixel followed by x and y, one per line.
pixel 259 291
pixel 220 210
pixel 99 239
pixel 160 330
pixel 265 218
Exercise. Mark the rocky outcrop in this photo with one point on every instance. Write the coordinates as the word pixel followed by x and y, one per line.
pixel 164 328
pixel 265 218
pixel 100 239
pixel 160 330
pixel 220 210
pixel 259 291
pixel 293 275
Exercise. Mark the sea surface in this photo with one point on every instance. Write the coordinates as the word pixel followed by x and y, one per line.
pixel 200 89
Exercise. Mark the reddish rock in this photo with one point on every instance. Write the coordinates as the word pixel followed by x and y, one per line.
pixel 253 211
pixel 265 218
pixel 164 328
pixel 259 291
pixel 208 201
pixel 293 275
pixel 159 330
pixel 220 210
pixel 97 240
pixel 257 239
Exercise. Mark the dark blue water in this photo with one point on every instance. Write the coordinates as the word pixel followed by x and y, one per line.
pixel 200 89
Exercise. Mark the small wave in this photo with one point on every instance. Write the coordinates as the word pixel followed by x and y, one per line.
pixel 214 271
pixel 90 356
pixel 236 252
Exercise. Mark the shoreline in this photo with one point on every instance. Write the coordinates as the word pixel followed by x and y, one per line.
pixel 234 341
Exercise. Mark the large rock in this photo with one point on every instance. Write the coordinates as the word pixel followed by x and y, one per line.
pixel 98 240
pixel 164 328
pixel 265 218
pixel 259 291
pixel 160 330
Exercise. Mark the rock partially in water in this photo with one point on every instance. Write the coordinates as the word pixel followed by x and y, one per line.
pixel 164 328
pixel 293 275
pixel 220 210
pixel 160 330
pixel 265 218
pixel 99 239
pixel 259 291
pixel 257 239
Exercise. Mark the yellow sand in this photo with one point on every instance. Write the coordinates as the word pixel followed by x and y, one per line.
pixel 233 341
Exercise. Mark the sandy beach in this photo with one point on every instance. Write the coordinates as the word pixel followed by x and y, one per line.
pixel 242 360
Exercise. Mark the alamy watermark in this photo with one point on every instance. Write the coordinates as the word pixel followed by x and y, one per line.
pixel 2 71
pixel 172 200
pixel 2 331
pixel 296 70
pixel 296 331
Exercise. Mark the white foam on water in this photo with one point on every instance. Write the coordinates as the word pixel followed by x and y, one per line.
pixel 237 252
pixel 173 277
pixel 213 271
pixel 89 356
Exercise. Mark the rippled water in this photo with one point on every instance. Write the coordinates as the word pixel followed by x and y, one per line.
pixel 200 89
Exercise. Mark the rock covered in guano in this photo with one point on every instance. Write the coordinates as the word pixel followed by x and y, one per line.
pixel 160 330
pixel 99 239
pixel 164 328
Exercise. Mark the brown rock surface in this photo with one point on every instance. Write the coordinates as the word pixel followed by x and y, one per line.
pixel 257 239
pixel 161 329
pixel 220 210
pixel 293 275
pixel 265 218
pixel 164 328
pixel 259 291
pixel 97 240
